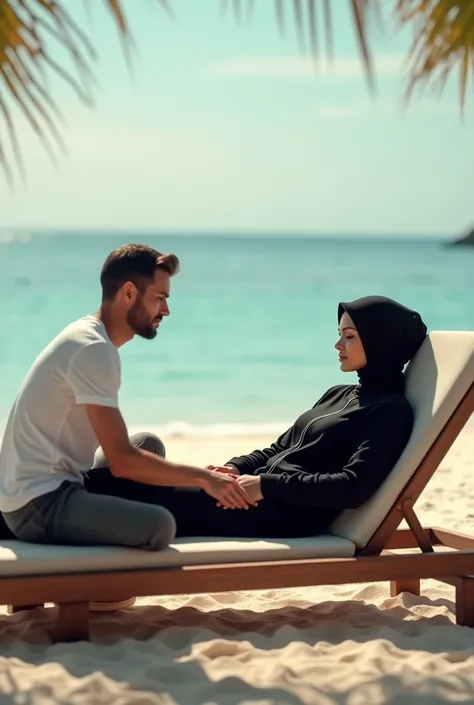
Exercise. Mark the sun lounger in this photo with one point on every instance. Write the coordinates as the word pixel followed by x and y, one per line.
pixel 363 545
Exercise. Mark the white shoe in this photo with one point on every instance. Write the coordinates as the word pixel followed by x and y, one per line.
pixel 112 606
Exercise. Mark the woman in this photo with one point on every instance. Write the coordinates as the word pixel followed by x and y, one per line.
pixel 335 455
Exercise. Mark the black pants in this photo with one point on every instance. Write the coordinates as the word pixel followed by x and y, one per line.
pixel 197 514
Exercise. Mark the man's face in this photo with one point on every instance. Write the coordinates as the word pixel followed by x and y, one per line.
pixel 146 312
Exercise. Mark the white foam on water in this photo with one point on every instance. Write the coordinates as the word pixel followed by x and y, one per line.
pixel 182 429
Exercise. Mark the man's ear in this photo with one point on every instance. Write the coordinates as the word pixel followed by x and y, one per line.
pixel 128 291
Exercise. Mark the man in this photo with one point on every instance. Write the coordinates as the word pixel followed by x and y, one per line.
pixel 68 405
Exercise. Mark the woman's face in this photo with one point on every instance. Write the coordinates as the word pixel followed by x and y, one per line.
pixel 351 351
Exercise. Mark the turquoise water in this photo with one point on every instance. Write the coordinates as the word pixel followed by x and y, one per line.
pixel 253 319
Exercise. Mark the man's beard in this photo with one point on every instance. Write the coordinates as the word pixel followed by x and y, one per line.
pixel 140 322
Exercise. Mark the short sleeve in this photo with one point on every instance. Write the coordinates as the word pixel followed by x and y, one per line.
pixel 94 375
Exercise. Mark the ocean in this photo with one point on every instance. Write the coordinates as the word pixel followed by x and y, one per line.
pixel 250 340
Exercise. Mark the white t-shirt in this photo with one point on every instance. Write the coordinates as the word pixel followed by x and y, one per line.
pixel 48 437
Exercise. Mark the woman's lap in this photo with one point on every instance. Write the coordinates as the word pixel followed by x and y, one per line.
pixel 197 514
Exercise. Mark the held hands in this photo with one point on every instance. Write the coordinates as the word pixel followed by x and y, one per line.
pixel 229 493
pixel 251 484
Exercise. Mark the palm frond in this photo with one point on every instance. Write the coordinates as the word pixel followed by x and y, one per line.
pixel 30 32
pixel 304 16
pixel 443 39
pixel 26 28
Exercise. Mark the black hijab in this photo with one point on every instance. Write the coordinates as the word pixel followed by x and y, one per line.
pixel 391 335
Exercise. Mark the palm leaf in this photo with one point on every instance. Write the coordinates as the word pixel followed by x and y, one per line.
pixel 304 14
pixel 29 32
pixel 443 39
pixel 26 26
pixel 443 34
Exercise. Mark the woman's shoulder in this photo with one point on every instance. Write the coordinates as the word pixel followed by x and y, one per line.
pixel 394 402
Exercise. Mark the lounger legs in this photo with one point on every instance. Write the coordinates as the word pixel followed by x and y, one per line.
pixel 465 601
pixel 72 622
pixel 11 609
pixel 404 585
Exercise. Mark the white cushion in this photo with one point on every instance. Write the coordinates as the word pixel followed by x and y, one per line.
pixel 438 378
pixel 21 558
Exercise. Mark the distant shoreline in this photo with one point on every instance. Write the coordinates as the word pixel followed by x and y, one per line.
pixel 25 232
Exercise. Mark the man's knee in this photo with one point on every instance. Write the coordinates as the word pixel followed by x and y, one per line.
pixel 143 440
pixel 150 442
pixel 163 530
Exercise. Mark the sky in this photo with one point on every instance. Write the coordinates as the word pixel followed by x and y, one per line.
pixel 227 127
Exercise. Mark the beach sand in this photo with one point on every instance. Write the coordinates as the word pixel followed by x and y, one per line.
pixel 350 644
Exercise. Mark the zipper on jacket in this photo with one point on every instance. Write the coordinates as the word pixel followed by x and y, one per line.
pixel 298 445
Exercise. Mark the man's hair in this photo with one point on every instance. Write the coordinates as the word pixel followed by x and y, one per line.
pixel 136 264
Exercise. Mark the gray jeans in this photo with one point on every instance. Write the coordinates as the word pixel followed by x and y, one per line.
pixel 73 515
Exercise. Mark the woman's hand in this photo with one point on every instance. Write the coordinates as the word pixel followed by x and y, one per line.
pixel 253 486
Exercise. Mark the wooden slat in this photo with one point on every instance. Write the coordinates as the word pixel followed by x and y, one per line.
pixel 454 582
pixel 109 586
pixel 465 602
pixel 404 538
pixel 453 539
pixel 411 585
pixel 423 541
pixel 72 622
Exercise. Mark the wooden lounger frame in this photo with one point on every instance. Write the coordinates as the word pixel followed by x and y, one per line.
pixel 380 560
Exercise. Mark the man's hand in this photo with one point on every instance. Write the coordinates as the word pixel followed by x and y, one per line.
pixel 229 469
pixel 228 492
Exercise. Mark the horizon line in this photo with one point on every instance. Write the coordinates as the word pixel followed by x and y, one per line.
pixel 220 232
